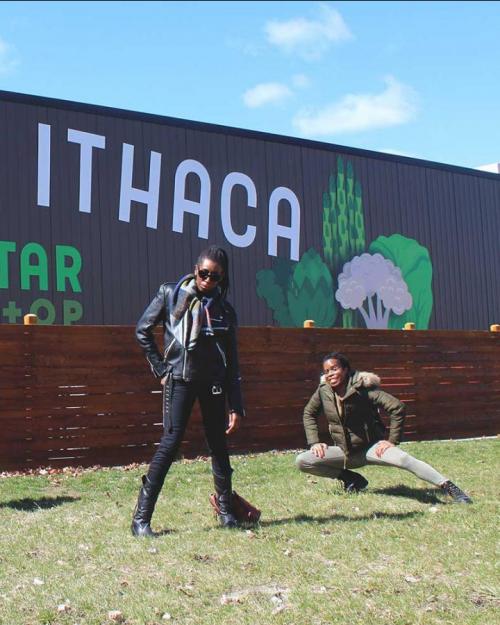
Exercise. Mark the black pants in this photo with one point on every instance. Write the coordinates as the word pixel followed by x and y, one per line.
pixel 213 409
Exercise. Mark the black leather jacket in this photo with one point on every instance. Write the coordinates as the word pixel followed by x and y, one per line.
pixel 215 358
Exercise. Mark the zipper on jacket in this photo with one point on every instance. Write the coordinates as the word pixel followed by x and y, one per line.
pixel 342 424
pixel 151 365
pixel 368 439
pixel 223 355
pixel 165 354
pixel 184 366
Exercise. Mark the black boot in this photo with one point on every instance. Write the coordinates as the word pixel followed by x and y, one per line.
pixel 353 482
pixel 224 492
pixel 453 491
pixel 144 509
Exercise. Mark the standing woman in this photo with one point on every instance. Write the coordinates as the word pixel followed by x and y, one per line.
pixel 200 362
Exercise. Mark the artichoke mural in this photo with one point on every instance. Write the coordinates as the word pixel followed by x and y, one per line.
pixel 272 285
pixel 304 293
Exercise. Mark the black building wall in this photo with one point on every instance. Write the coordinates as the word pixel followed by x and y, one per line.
pixel 452 212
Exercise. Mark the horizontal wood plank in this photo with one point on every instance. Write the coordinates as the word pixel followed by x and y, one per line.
pixel 84 395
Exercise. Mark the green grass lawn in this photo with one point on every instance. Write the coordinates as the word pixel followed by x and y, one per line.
pixel 399 554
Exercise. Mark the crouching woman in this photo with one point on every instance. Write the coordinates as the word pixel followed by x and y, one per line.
pixel 350 400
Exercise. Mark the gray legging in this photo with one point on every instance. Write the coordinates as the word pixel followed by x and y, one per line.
pixel 333 463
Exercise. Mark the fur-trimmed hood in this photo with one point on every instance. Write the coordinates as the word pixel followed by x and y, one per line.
pixel 366 379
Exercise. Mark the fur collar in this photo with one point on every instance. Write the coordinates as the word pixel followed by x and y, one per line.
pixel 366 379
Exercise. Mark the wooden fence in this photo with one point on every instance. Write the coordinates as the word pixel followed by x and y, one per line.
pixel 84 395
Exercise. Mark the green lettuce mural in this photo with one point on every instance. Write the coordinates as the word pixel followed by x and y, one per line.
pixel 415 264
pixel 384 286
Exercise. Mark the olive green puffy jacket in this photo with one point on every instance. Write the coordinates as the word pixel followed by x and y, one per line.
pixel 360 426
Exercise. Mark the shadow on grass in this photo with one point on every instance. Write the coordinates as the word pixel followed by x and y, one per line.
pixel 164 532
pixel 420 494
pixel 341 518
pixel 318 520
pixel 33 505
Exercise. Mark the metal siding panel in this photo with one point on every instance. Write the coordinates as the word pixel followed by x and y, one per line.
pixel 29 222
pixel 69 225
pixel 367 181
pixel 210 150
pixel 445 237
pixel 165 248
pixel 11 229
pixel 489 211
pixel 317 168
pixel 249 157
pixel 106 214
pixel 470 254
pixel 413 204
pixel 283 164
pixel 125 258
pixel 415 211
pixel 383 204
pixel 111 229
pixel 284 169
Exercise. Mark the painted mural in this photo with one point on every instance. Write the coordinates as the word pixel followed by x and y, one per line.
pixel 351 285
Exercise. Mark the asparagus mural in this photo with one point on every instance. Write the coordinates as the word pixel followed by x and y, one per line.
pixel 385 288
pixel 343 225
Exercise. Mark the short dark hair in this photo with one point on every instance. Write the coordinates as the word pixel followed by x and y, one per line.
pixel 217 255
pixel 337 356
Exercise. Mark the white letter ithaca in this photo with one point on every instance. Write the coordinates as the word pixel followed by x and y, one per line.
pixel 43 195
pixel 230 181
pixel 291 232
pixel 183 205
pixel 87 141
pixel 129 193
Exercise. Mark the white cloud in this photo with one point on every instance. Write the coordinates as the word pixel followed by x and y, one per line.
pixel 248 48
pixel 266 93
pixel 353 113
pixel 300 81
pixel 309 38
pixel 8 61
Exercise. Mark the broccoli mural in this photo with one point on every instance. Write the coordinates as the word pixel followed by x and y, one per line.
pixel 375 282
pixel 384 287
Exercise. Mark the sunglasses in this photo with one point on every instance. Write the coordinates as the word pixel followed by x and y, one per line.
pixel 204 274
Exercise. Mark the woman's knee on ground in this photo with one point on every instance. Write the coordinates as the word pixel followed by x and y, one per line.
pixel 306 461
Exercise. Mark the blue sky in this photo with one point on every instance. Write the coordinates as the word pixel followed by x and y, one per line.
pixel 415 78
